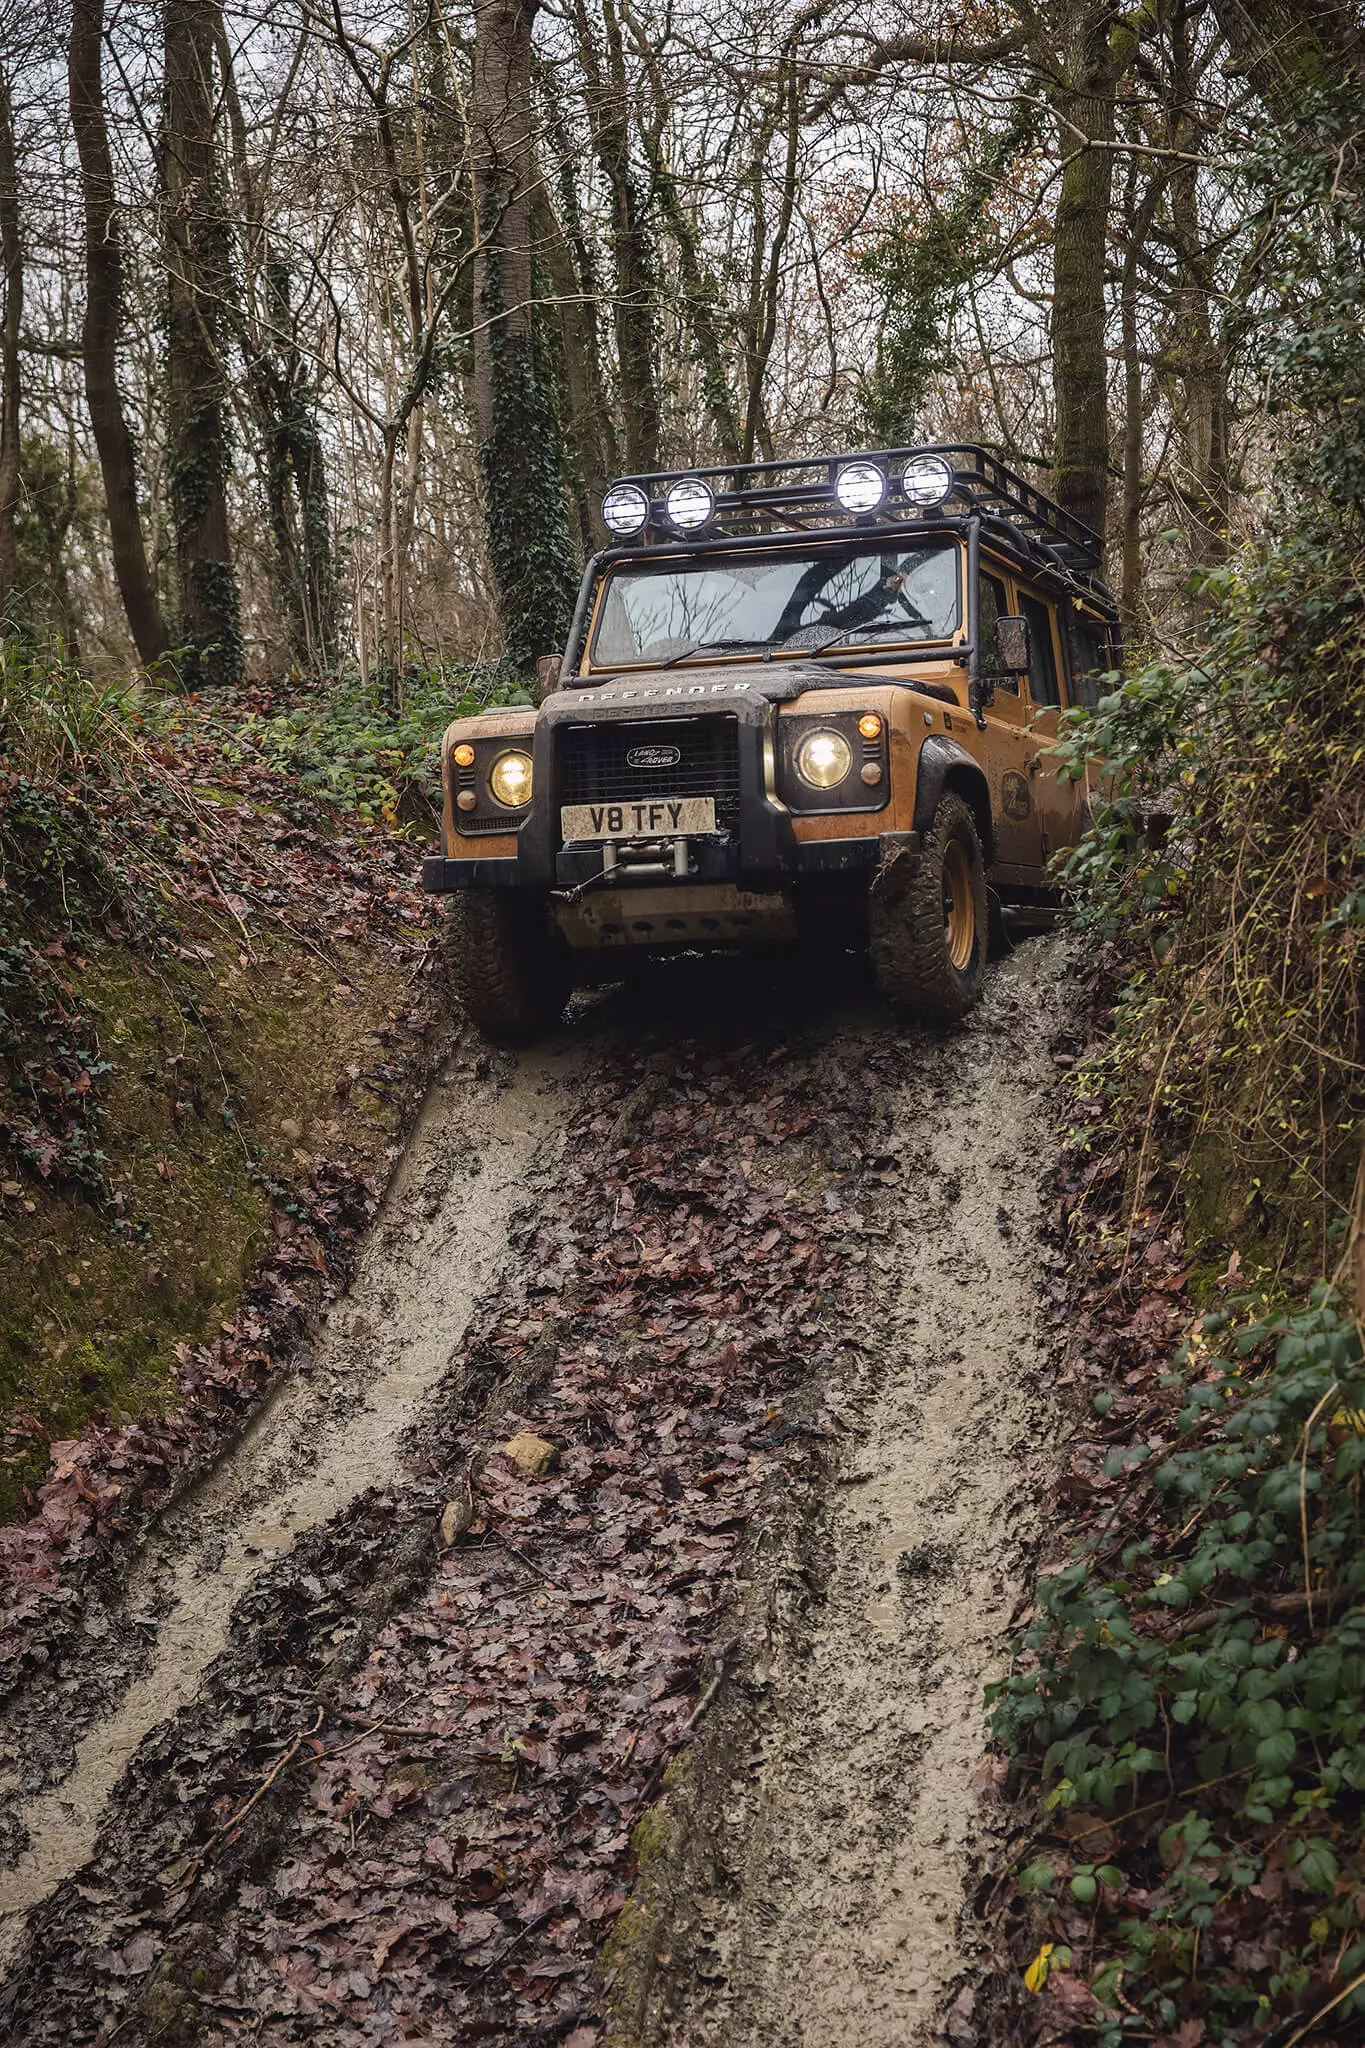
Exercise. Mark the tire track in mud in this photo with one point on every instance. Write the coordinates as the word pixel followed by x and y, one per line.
pixel 812 1883
pixel 406 1798
pixel 330 1431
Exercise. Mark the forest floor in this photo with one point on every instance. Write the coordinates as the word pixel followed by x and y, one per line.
pixel 620 1564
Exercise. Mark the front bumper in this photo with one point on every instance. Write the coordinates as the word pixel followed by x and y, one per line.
pixel 805 861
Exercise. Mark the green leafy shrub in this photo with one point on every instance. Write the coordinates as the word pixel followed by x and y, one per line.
pixel 368 749
pixel 1210 1679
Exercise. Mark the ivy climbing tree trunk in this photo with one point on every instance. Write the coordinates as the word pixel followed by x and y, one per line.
pixel 1083 98
pixel 519 454
pixel 100 334
pixel 11 316
pixel 198 275
pixel 631 239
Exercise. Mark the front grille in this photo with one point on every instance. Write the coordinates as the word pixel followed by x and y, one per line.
pixel 594 766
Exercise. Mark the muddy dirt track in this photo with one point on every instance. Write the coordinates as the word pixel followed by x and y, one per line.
pixel 392 1729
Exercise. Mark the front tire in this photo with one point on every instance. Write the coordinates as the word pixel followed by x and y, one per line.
pixel 507 964
pixel 928 920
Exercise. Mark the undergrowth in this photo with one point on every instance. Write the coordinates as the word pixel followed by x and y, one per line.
pixel 369 749
pixel 1191 1693
pixel 62 867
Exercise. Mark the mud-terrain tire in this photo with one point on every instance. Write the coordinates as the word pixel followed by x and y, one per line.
pixel 928 926
pixel 506 963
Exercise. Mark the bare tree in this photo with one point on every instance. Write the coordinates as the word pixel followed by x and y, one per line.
pixel 11 320
pixel 197 284
pixel 100 333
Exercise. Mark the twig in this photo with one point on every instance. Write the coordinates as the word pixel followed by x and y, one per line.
pixel 281 1764
pixel 515 1942
pixel 1323 2010
pixel 1303 1498
pixel 529 1562
pixel 721 1659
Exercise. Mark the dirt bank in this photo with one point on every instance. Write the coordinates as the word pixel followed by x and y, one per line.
pixel 760 1274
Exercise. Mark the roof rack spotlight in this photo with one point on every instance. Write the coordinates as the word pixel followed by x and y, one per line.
pixel 690 504
pixel 928 480
pixel 625 510
pixel 856 488
pixel 860 487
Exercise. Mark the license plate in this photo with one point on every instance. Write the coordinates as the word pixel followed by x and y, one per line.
pixel 656 817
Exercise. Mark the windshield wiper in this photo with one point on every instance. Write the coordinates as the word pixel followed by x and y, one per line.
pixel 712 647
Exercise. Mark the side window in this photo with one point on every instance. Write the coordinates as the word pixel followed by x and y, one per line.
pixel 1093 658
pixel 993 601
pixel 1042 679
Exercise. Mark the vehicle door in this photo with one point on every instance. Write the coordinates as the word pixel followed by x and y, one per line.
pixel 1009 747
pixel 1058 803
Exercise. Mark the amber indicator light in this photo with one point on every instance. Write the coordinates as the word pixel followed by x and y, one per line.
pixel 869 725
pixel 463 755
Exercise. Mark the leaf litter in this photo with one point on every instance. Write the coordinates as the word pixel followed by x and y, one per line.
pixel 403 1806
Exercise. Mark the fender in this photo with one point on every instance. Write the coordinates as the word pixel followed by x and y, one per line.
pixel 939 760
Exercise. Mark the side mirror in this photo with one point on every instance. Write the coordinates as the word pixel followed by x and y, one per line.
pixel 547 672
pixel 1012 645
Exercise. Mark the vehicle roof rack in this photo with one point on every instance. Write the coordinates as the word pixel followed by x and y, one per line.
pixel 798 496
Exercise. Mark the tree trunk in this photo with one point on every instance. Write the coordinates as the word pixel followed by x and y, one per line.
pixel 11 314
pixel 1080 366
pixel 100 335
pixel 1287 47
pixel 632 243
pixel 519 457
pixel 1198 357
pixel 288 447
pixel 198 283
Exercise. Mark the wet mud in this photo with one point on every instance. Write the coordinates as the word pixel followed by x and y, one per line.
pixel 331 1429
pixel 818 1893
pixel 388 1733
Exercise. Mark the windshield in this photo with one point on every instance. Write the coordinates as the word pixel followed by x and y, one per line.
pixel 836 597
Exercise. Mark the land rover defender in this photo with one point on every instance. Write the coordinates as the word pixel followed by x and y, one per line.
pixel 802 702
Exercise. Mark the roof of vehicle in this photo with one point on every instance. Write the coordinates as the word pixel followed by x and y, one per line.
pixel 801 496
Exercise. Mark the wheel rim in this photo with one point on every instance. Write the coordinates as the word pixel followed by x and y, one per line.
pixel 959 905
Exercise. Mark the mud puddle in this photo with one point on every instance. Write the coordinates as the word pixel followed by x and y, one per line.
pixel 332 1431
pixel 821 1846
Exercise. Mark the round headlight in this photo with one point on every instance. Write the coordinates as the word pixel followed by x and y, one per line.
pixel 625 509
pixel 510 780
pixel 824 759
pixel 860 487
pixel 927 480
pixel 689 503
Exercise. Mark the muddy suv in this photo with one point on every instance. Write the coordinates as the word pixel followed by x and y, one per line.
pixel 802 702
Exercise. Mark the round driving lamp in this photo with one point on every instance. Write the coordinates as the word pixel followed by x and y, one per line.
pixel 824 759
pixel 625 510
pixel 927 480
pixel 689 504
pixel 510 780
pixel 860 487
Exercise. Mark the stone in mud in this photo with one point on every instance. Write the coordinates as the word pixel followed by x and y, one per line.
pixel 532 1455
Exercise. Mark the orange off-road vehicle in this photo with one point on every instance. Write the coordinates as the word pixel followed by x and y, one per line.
pixel 801 702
